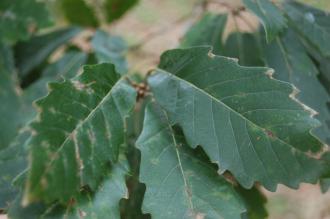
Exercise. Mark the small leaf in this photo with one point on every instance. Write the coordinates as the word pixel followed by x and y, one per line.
pixel 115 9
pixel 207 32
pixel 179 184
pixel 20 18
pixel 245 121
pixel 30 54
pixel 311 23
pixel 79 12
pixel 79 130
pixel 108 48
pixel 269 15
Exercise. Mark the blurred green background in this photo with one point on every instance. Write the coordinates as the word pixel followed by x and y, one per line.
pixel 323 4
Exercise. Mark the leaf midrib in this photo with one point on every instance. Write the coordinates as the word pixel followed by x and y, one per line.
pixel 175 144
pixel 68 138
pixel 228 107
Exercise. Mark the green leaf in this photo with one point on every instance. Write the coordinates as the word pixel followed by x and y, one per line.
pixel 322 62
pixel 13 157
pixel 12 164
pixel 243 46
pixel 79 12
pixel 325 179
pixel 207 31
pixel 311 23
pixel 247 122
pixel 292 64
pixel 254 201
pixel 115 9
pixel 30 54
pixel 14 115
pixel 66 67
pixel 131 207
pixel 10 97
pixel 20 18
pixel 108 48
pixel 269 15
pixel 79 130
pixel 104 203
pixel 178 183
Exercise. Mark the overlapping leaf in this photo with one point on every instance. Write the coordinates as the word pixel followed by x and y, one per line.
pixel 9 94
pixel 243 46
pixel 108 48
pixel 30 54
pixel 14 115
pixel 292 64
pixel 104 203
pixel 67 67
pixel 313 24
pixel 20 18
pixel 178 183
pixel 79 130
pixel 13 162
pixel 246 122
pixel 208 31
pixel 269 15
pixel 255 203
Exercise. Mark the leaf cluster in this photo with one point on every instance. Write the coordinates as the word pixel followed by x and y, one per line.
pixel 197 137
